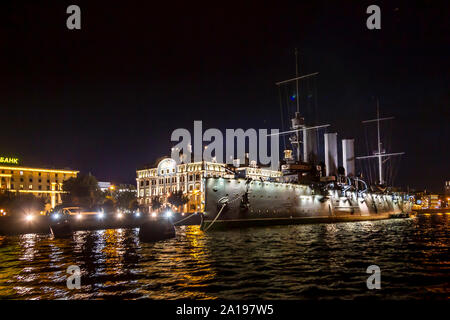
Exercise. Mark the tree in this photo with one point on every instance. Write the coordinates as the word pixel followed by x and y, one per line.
pixel 156 203
pixel 134 205
pixel 125 199
pixel 177 198
pixel 17 204
pixel 108 205
pixel 82 191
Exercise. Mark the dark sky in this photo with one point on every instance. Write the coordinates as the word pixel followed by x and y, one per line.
pixel 106 98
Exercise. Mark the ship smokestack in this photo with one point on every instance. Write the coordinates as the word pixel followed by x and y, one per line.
pixel 348 156
pixel 331 158
pixel 309 146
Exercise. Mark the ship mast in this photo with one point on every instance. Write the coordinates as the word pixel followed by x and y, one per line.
pixel 381 153
pixel 297 122
pixel 296 80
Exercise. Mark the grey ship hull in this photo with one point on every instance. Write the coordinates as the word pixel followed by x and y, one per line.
pixel 272 203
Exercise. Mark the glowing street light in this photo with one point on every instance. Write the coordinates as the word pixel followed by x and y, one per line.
pixel 29 217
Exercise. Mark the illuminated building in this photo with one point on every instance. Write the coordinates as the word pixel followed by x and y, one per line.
pixel 45 183
pixel 434 201
pixel 447 187
pixel 168 177
pixel 104 186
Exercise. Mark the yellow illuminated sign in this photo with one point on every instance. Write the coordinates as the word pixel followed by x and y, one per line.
pixel 9 160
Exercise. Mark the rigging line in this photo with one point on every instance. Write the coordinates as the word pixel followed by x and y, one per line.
pixel 282 118
pixel 369 164
pixel 316 114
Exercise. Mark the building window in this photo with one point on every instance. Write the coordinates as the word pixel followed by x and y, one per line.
pixel 31 179
pixel 21 173
pixel 21 187
pixel 30 186
pixel 40 187
pixel 147 183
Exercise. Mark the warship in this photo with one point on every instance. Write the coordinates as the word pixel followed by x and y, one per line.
pixel 308 190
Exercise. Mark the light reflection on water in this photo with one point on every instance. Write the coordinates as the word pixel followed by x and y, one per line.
pixel 285 262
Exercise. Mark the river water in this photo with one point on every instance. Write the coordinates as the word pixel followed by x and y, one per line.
pixel 321 261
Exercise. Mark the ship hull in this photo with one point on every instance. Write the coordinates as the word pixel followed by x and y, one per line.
pixel 271 203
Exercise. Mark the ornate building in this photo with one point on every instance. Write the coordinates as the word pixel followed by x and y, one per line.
pixel 168 177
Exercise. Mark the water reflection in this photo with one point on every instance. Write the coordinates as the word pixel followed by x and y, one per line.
pixel 286 262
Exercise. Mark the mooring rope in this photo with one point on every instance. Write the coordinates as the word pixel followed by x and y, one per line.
pixel 192 215
pixel 217 216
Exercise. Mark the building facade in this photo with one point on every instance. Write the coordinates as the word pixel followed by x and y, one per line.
pixel 168 177
pixel 44 183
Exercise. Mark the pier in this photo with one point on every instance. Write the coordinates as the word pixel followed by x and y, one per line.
pixel 41 224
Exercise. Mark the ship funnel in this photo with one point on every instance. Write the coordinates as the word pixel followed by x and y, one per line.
pixel 348 156
pixel 310 146
pixel 331 159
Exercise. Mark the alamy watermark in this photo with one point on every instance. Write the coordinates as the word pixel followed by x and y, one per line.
pixel 374 281
pixel 235 139
pixel 74 20
pixel 74 280
pixel 374 20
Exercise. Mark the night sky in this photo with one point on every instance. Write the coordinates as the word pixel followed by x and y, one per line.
pixel 105 99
